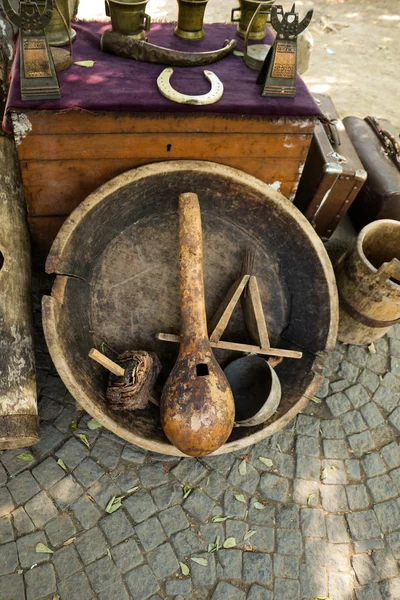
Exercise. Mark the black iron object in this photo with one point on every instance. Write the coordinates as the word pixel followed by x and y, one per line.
pixel 278 74
pixel 38 74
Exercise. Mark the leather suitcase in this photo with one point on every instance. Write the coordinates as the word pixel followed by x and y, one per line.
pixel 333 174
pixel 377 145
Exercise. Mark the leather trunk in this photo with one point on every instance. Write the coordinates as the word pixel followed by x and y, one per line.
pixel 380 196
pixel 333 174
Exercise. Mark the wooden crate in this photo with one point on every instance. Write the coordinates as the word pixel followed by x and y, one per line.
pixel 64 156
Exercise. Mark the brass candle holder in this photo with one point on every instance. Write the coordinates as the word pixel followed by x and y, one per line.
pixel 190 19
pixel 129 17
pixel 245 13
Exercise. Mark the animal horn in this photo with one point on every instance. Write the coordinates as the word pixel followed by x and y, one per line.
pixel 305 22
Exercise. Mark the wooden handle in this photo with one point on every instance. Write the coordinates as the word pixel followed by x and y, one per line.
pixel 193 312
pixel 106 362
pixel 390 269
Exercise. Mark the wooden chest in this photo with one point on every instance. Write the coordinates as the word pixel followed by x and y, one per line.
pixel 64 156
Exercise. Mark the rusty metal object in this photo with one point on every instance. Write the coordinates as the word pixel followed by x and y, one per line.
pixel 368 279
pixel 197 405
pixel 129 47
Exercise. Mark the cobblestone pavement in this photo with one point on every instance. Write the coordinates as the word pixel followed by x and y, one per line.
pixel 309 513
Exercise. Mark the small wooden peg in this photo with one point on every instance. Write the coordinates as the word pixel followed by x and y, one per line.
pixel 106 362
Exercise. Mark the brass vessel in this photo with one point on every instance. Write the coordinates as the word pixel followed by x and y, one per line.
pixel 57 29
pixel 129 17
pixel 247 9
pixel 190 19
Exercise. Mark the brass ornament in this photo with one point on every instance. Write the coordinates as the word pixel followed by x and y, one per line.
pixel 37 72
pixel 190 19
pixel 278 74
pixel 129 18
pixel 244 14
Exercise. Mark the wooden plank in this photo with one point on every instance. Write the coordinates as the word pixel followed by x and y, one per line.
pixel 257 312
pixel 81 122
pixel 221 318
pixel 174 146
pixel 43 232
pixel 57 187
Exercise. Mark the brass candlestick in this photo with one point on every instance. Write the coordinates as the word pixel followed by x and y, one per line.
pixel 190 19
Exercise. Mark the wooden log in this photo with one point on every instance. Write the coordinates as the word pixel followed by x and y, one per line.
pixel 19 423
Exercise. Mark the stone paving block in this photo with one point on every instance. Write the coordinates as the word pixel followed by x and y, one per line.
pixel 373 464
pixel 173 520
pixel 186 542
pixel 125 477
pixel 286 567
pixel 273 487
pixel 262 540
pixel 286 588
pixel 382 488
pixel 257 568
pixel 91 545
pixel 394 347
pixel 341 586
pixel 333 498
pixel 13 464
pixel 394 418
pixel 353 422
pixel 73 452
pixel 133 455
pixel 378 364
pixel 368 545
pixel 395 476
pixel 314 551
pixel 289 542
pixel 323 391
pixel 307 446
pixel 226 590
pixel 395 366
pixel 106 452
pixel 339 386
pixel 163 561
pixel 371 414
pixel 48 473
pixel 391 454
pixel 288 516
pixel 369 380
pixel 60 530
pixel 391 382
pixel 102 574
pixel 41 509
pixel 190 471
pixel 338 557
pixel 338 404
pixel 150 534
pixel 312 522
pixel 357 356
pixel 393 539
pixel 199 505
pixel 388 515
pixel 282 440
pixel 88 472
pixel 103 490
pixel 3 475
pixel 258 453
pixel 9 558
pixel 348 371
pixel 391 589
pixel 385 398
pixel 368 592
pixel 65 492
pixel 153 476
pixel 141 583
pixel 331 429
pixel 335 470
pixel 357 496
pixel 214 485
pixel 40 582
pixel 247 482
pixel 50 438
pixel 86 512
pixel 306 425
pixel 257 592
pixel 306 492
pixel 233 507
pixel 178 586
pixel 313 581
pixel 77 587
pixel 12 587
pixel 237 530
pixel 140 506
pixel 203 576
pixel 22 522
pixel 167 495
pixel 258 516
pixel 307 468
pixel 363 525
pixel 364 569
pixel 357 395
pixel 386 564
pixel 6 530
pixel 284 465
pixel 361 443
pixel 66 561
pixel 230 563
pixel 6 502
pixel 27 549
pixel 337 529
pixel 383 435
pixel 127 555
pixel 23 487
pixel 353 468
pixel 335 449
pixel 382 345
pixel 65 418
pixel 49 409
pixel 116 527
pixel 117 592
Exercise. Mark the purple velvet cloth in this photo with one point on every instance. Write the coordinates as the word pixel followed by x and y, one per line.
pixel 126 85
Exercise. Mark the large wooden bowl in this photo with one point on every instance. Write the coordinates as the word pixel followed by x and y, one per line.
pixel 116 260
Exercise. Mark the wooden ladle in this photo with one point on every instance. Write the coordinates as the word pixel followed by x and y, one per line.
pixel 197 405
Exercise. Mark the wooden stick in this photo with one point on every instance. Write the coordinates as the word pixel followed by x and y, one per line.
pixel 106 362
pixel 258 313
pixel 224 313
pixel 169 337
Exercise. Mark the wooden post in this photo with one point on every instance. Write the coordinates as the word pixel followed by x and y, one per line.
pixel 19 423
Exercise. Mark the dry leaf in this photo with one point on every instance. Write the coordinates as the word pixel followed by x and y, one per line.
pixel 311 498
pixel 324 474
pixel 92 424
pixel 240 498
pixel 219 519
pixel 73 426
pixel 70 541
pixel 134 489
pixel 85 63
pixel 372 348
pixel 230 542
pixel 83 439
pixel 238 53
pixel 242 468
pixel 42 549
pixel 114 504
pixel 316 400
pixel 259 506
pixel 62 464
pixel 185 569
pixel 186 490
pixel 266 461
pixel 249 534
pixel 25 456
pixel 200 561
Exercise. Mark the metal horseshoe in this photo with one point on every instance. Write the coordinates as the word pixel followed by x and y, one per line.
pixel 215 94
